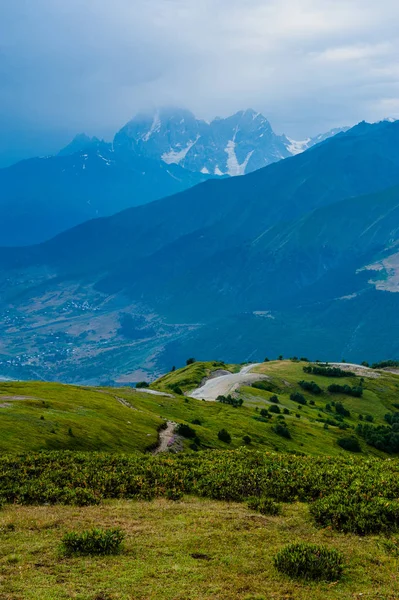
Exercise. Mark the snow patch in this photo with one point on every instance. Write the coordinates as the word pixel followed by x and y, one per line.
pixel 205 171
pixel 234 168
pixel 217 171
pixel 174 176
pixel 155 127
pixel 174 157
pixel 296 147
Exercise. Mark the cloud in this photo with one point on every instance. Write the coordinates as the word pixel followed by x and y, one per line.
pixel 306 64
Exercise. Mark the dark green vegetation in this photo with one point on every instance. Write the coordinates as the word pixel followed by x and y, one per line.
pixel 265 506
pixel 94 541
pixel 350 495
pixel 297 258
pixel 309 561
pixel 347 390
pixel 357 510
pixel 327 371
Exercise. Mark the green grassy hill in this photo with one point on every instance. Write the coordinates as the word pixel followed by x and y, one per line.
pixel 47 416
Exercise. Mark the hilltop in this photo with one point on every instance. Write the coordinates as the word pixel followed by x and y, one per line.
pixel 49 416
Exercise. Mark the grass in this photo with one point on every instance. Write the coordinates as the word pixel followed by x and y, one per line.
pixel 193 549
pixel 77 418
pixel 65 417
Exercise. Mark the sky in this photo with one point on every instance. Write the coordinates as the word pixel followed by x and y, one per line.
pixel 70 66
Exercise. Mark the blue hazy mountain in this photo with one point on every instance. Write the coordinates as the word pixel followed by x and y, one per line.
pixel 151 157
pixel 298 257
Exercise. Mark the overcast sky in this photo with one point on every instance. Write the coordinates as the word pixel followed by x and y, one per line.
pixel 68 66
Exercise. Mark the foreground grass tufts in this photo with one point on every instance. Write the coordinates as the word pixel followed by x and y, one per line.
pixel 309 561
pixel 266 506
pixel 95 541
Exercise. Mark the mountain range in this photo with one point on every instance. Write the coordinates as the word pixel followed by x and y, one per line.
pixel 151 157
pixel 298 257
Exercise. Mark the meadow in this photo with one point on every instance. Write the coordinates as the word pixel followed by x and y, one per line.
pixel 210 520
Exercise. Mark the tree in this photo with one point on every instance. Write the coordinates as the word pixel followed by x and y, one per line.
pixel 190 361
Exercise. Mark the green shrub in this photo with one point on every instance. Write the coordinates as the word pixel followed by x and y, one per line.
pixel 327 371
pixel 246 439
pixel 236 402
pixel 310 386
pixel 282 430
pixel 309 561
pixel 94 541
pixel 298 398
pixel 142 384
pixel 349 443
pixel 356 391
pixel 186 431
pixel 274 409
pixel 224 436
pixel 274 399
pixel 266 506
pixel 174 494
pixel 176 389
pixel 286 411
pixel 196 422
pixel 351 512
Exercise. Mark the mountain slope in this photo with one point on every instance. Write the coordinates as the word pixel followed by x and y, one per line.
pixel 39 416
pixel 277 261
pixel 41 197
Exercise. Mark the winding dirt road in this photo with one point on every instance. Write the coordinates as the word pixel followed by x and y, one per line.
pixel 226 384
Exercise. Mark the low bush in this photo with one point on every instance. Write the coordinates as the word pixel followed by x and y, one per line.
pixel 186 431
pixel 266 506
pixel 274 399
pixel 349 443
pixel 176 389
pixel 196 422
pixel 274 409
pixel 309 561
pixel 327 371
pixel 142 384
pixel 310 386
pixel 282 430
pixel 352 512
pixel 298 398
pixel 236 402
pixel 382 437
pixel 224 436
pixel 341 410
pixel 356 391
pixel 94 541
pixel 246 439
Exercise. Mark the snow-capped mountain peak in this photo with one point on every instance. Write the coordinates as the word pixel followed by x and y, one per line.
pixel 234 145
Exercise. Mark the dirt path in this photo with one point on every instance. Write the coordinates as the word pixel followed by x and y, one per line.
pixel 226 384
pixel 167 438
